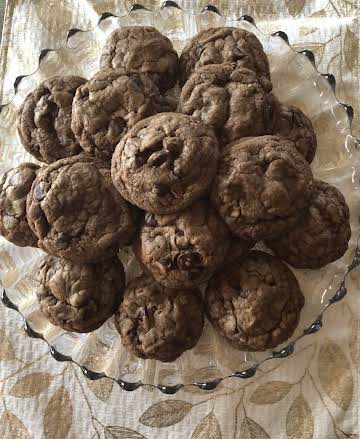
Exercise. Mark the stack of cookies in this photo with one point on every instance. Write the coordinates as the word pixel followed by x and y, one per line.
pixel 192 184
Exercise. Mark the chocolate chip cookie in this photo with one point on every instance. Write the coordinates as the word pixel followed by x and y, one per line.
pixel 44 120
pixel 159 323
pixel 144 49
pixel 262 186
pixel 76 212
pixel 254 303
pixel 165 162
pixel 15 185
pixel 231 99
pixel 292 124
pixel 322 234
pixel 183 249
pixel 79 297
pixel 109 104
pixel 222 45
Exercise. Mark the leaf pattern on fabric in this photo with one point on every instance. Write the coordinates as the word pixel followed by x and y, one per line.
pixel 208 428
pixel 6 350
pixel 252 430
pixel 12 428
pixel 294 7
pixel 355 342
pixel 31 385
pixel 54 16
pixel 271 392
pixel 58 415
pixel 165 413
pixel 351 49
pixel 114 432
pixel 335 374
pixel 101 388
pixel 299 420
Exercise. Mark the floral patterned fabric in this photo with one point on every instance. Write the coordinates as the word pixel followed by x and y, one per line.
pixel 314 393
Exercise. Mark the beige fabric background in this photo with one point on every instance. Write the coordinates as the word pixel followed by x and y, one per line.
pixel 312 394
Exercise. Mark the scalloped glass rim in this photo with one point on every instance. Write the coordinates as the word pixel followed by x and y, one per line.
pixel 351 145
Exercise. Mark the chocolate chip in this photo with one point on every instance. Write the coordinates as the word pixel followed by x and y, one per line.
pixel 189 261
pixel 182 242
pixel 161 189
pixel 159 158
pixel 173 145
pixel 237 54
pixel 167 262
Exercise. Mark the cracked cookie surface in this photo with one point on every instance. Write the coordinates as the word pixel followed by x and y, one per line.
pixel 322 234
pixel 44 120
pixel 262 186
pixel 254 303
pixel 157 322
pixel 231 99
pixel 109 104
pixel 156 166
pixel 79 297
pixel 76 212
pixel 15 184
pixel 223 45
pixel 183 249
pixel 144 49
pixel 294 125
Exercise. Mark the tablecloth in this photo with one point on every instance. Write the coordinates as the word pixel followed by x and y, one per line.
pixel 312 394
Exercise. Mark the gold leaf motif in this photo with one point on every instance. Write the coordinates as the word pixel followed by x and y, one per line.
pixel 304 30
pixel 355 342
pixel 351 49
pixel 101 388
pixel 165 413
pixel 54 16
pixel 270 392
pixel 208 428
pixel 31 385
pixel 58 415
pixel 299 420
pixel 6 350
pixel 252 430
pixel 258 8
pixel 114 432
pixel 294 7
pixel 106 6
pixel 335 374
pixel 318 14
pixel 11 427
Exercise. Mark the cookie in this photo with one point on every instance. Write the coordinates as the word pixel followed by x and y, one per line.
pixel 79 297
pixel 262 186
pixel 254 303
pixel 44 120
pixel 159 323
pixel 231 100
pixel 76 213
pixel 292 124
pixel 144 49
pixel 183 249
pixel 322 234
pixel 223 45
pixel 15 185
pixel 165 162
pixel 108 105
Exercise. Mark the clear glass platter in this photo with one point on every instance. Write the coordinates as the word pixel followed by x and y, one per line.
pixel 296 81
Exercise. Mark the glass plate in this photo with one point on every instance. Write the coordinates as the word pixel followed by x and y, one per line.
pixel 296 81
